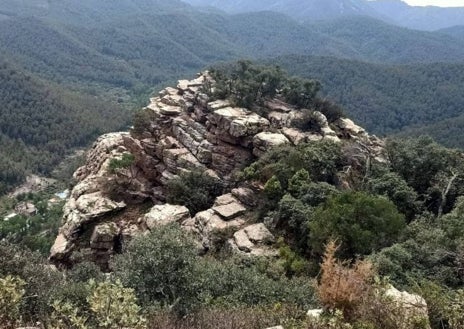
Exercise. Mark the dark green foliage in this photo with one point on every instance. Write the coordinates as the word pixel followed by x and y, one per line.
pixel 321 160
pixel 235 283
pixel 428 168
pixel 196 190
pixel 416 98
pixel 126 161
pixel 85 271
pixel 331 110
pixel 245 83
pixel 308 121
pixel 40 123
pixel 160 267
pixel 361 222
pixel 37 232
pixel 431 250
pixel 293 215
pixel 142 121
pixel 300 92
pixel 393 186
pixel 164 269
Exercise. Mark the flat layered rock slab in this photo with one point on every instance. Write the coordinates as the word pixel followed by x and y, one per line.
pixel 258 233
pixel 165 214
pixel 230 211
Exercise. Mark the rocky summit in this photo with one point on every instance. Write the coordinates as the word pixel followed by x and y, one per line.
pixel 186 130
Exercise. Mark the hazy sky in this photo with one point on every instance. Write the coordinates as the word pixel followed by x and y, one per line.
pixel 441 3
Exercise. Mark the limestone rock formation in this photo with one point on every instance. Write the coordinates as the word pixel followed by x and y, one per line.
pixel 186 131
pixel 254 240
pixel 411 306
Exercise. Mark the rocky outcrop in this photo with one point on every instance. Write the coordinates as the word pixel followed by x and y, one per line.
pixel 186 131
pixel 410 307
pixel 254 240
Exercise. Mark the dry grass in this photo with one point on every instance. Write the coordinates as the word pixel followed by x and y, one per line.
pixel 342 287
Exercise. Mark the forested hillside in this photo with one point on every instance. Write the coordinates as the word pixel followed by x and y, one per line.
pixel 40 123
pixel 122 53
pixel 390 98
pixel 291 207
pixel 397 12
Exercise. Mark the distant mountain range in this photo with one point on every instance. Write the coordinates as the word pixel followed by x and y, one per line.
pixel 392 11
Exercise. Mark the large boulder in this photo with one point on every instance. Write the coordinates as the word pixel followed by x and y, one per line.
pixel 264 141
pixel 410 307
pixel 253 240
pixel 165 214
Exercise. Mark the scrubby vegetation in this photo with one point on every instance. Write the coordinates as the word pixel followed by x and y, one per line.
pixel 395 219
pixel 196 190
pixel 391 223
pixel 248 85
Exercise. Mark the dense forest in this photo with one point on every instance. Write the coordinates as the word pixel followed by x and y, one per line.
pixel 118 60
pixel 40 123
pixel 387 99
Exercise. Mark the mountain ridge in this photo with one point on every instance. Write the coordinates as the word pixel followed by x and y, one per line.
pixel 397 12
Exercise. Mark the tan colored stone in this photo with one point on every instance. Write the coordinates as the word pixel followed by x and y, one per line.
pixel 230 211
pixel 259 234
pixel 104 236
pixel 165 214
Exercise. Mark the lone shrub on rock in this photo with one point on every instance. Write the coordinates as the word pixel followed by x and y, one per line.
pixel 196 190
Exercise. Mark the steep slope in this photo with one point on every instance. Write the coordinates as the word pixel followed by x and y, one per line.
pixel 153 48
pixel 397 12
pixel 40 123
pixel 183 131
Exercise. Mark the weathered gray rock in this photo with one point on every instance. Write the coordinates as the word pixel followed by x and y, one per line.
pixel 103 150
pixel 350 127
pixel 242 241
pixel 411 306
pixel 259 234
pixel 230 210
pixel 104 236
pixel 237 122
pixel 245 196
pixel 61 247
pixel 95 205
pixel 186 132
pixel 219 104
pixel 266 140
pixel 165 214
pixel 253 240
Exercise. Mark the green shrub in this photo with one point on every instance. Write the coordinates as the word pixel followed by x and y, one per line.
pixel 42 281
pixel 332 111
pixel 363 223
pixel 125 162
pixel 160 268
pixel 11 294
pixel 114 306
pixel 308 121
pixel 196 190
